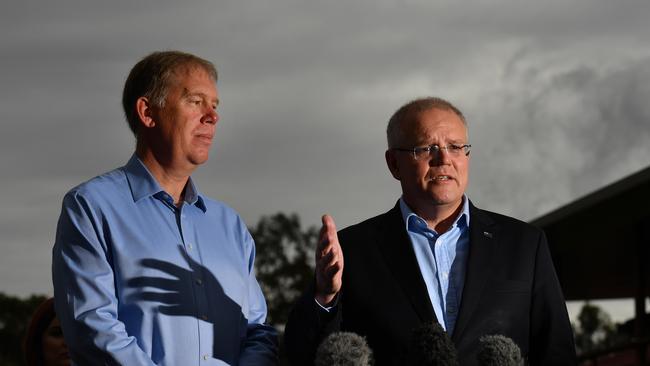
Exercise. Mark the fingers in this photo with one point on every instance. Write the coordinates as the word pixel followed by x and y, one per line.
pixel 327 237
pixel 332 269
pixel 329 260
pixel 328 222
pixel 328 244
pixel 161 283
pixel 329 278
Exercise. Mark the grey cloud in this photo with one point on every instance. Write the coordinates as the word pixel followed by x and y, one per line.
pixel 565 134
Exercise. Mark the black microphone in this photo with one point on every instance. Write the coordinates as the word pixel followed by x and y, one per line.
pixel 430 345
pixel 343 349
pixel 498 350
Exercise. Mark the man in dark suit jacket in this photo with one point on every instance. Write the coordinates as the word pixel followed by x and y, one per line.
pixel 433 257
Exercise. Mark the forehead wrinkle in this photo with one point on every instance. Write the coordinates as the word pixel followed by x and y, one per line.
pixel 183 73
pixel 440 136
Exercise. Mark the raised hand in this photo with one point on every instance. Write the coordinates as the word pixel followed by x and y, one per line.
pixel 329 263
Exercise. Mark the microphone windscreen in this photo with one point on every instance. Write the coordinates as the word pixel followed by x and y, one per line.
pixel 430 345
pixel 343 349
pixel 498 350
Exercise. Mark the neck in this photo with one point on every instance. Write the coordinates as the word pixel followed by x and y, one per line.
pixel 170 177
pixel 438 217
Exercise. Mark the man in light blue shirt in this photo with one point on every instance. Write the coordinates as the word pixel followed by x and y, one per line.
pixel 146 269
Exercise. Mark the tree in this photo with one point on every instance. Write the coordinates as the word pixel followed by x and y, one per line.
pixel 15 314
pixel 284 262
pixel 595 329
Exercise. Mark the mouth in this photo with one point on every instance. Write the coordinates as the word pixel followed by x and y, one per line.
pixel 440 178
pixel 205 138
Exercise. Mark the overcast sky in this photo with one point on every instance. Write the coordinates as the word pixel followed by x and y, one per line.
pixel 557 96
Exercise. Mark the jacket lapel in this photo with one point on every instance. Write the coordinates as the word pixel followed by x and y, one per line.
pixel 482 239
pixel 399 256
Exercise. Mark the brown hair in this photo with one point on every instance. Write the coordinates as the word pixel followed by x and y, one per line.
pixel 33 343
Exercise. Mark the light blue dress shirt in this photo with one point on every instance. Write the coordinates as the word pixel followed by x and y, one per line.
pixel 442 258
pixel 138 281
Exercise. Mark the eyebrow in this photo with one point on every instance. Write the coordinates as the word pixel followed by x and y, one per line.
pixel 448 142
pixel 187 94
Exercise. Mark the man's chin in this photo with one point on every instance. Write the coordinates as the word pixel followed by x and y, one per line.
pixel 444 199
pixel 200 158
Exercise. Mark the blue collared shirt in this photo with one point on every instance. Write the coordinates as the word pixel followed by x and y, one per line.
pixel 139 281
pixel 442 259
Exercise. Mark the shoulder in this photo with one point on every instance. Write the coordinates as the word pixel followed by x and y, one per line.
pixel 370 233
pixel 104 187
pixel 222 214
pixel 503 219
pixel 221 209
pixel 370 225
pixel 509 228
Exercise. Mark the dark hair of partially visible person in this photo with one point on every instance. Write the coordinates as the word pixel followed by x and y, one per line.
pixel 151 77
pixel 44 344
pixel 36 331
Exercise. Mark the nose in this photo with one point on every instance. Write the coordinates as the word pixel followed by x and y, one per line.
pixel 211 116
pixel 439 157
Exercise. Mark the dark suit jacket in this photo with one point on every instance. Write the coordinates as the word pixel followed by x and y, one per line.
pixel 510 289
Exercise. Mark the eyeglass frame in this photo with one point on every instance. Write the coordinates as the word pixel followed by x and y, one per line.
pixel 436 148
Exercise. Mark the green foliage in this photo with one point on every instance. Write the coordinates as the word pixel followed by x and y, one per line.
pixel 284 262
pixel 15 314
pixel 595 330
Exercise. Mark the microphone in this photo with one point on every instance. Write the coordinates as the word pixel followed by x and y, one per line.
pixel 343 349
pixel 430 345
pixel 498 350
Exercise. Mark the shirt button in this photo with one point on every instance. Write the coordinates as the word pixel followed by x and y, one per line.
pixel 189 246
pixel 205 357
pixel 198 281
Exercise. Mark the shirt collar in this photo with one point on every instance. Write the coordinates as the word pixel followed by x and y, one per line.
pixel 414 222
pixel 143 184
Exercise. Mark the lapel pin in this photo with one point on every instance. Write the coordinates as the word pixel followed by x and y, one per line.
pixel 489 235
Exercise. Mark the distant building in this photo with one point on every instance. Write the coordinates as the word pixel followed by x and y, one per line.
pixel 600 245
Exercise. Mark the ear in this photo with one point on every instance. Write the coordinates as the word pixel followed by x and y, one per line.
pixel 391 161
pixel 145 112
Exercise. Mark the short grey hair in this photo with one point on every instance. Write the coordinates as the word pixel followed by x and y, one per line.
pixel 151 78
pixel 409 110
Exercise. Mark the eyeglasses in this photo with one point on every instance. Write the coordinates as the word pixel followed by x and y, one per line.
pixel 425 152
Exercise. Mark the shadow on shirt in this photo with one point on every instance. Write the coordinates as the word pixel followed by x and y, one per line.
pixel 182 293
